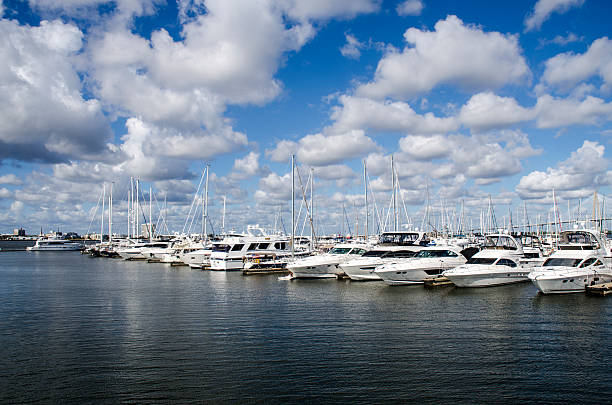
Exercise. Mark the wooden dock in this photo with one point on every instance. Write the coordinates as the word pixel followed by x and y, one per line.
pixel 269 270
pixel 599 289
pixel 440 281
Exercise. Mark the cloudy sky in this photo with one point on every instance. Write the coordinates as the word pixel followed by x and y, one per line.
pixel 471 98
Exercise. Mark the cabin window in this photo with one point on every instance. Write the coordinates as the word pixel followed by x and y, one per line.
pixel 450 253
pixel 339 251
pixel 481 260
pixel 376 253
pixel 506 262
pixel 358 251
pixel 237 247
pixel 403 254
pixel 561 261
pixel 598 263
pixel 588 262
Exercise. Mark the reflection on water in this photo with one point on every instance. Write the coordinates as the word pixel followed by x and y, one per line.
pixel 75 329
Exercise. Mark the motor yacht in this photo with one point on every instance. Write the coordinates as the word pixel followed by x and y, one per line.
pixel 326 265
pixel 578 261
pixel 498 263
pixel 55 244
pixel 232 252
pixel 429 262
pixel 362 268
pixel 391 247
pixel 138 250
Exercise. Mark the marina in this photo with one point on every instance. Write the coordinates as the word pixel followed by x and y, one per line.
pixel 81 329
pixel 305 202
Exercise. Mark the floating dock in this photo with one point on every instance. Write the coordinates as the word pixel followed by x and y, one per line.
pixel 440 281
pixel 599 289
pixel 268 270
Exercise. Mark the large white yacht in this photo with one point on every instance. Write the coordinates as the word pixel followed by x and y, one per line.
pixel 137 250
pixel 429 262
pixel 55 243
pixel 579 261
pixel 326 265
pixel 232 252
pixel 501 261
pixel 391 247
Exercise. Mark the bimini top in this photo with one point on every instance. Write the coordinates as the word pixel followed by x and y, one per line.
pixel 580 240
pixel 503 242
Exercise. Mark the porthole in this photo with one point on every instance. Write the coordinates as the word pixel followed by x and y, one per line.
pixel 565 281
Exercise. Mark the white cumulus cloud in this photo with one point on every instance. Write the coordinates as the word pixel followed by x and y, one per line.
pixel 454 53
pixel 543 9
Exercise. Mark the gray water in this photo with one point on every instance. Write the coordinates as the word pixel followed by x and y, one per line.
pixel 75 329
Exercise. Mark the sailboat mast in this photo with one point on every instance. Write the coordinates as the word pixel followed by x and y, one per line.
pixel 365 198
pixel 102 218
pixel 393 180
pixel 150 214
pixel 137 234
pixel 292 205
pixel 110 214
pixel 223 217
pixel 312 232
pixel 205 219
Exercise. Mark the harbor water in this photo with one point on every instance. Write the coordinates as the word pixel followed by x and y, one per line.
pixel 76 329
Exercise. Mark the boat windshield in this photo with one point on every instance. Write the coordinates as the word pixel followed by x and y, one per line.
pixel 376 253
pixel 481 260
pixel 430 253
pixel 340 250
pixel 399 238
pixel 221 248
pixel 500 242
pixel 561 261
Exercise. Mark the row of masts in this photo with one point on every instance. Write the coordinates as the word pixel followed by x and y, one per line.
pixel 447 222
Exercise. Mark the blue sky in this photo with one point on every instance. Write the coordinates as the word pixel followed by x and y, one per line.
pixel 472 99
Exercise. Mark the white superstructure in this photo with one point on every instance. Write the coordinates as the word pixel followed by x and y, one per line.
pixel 326 265
pixel 232 252
pixel 499 263
pixel 429 262
pixel 579 261
pixel 55 244
pixel 391 247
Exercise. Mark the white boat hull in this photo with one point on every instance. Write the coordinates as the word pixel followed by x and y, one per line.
pixel 566 283
pixel 486 280
pixel 315 271
pixel 360 272
pixel 406 277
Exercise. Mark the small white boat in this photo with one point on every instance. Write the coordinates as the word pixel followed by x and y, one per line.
pixel 578 262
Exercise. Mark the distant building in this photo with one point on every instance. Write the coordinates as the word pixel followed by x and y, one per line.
pixel 19 232
pixel 144 230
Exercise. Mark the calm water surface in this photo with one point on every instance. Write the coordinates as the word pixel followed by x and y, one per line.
pixel 75 329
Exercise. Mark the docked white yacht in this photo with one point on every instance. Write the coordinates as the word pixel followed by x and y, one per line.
pixel 198 258
pixel 429 262
pixel 56 244
pixel 326 265
pixel 232 252
pixel 501 261
pixel 138 250
pixel 391 247
pixel 579 261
